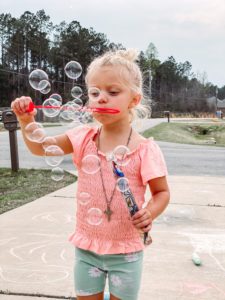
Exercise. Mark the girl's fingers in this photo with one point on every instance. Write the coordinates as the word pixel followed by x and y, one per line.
pixel 138 214
pixel 20 105
pixel 145 215
pixel 15 106
pixel 24 102
pixel 143 224
pixel 147 229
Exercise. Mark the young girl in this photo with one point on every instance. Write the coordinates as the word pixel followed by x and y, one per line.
pixel 107 239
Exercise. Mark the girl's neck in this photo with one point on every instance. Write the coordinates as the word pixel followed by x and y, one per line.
pixel 113 135
pixel 114 129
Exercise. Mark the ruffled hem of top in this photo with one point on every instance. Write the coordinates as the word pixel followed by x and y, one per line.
pixel 105 247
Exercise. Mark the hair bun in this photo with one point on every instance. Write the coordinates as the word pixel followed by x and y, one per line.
pixel 129 54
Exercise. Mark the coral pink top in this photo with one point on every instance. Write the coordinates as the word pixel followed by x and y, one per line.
pixel 117 235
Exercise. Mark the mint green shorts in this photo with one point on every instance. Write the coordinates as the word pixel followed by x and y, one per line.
pixel 123 271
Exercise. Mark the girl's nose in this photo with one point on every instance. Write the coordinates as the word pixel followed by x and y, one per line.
pixel 102 98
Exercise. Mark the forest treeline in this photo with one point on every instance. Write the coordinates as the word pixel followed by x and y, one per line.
pixel 33 41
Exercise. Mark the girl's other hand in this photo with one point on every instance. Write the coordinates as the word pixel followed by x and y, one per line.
pixel 20 107
pixel 142 220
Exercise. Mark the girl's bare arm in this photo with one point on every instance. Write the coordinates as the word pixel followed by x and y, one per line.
pixel 160 196
pixel 159 201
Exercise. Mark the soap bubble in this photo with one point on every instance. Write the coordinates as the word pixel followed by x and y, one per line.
pixel 35 132
pixel 93 94
pixel 63 120
pixel 76 92
pixel 52 108
pixel 138 124
pixel 78 101
pixel 120 155
pixel 45 87
pixel 57 174
pixel 75 111
pixel 53 155
pixel 70 111
pixel 84 198
pixel 141 115
pixel 56 97
pixel 94 216
pixel 90 164
pixel 74 124
pixel 64 113
pixel 43 84
pixel 48 141
pixel 122 184
pixel 73 69
pixel 86 117
pixel 35 77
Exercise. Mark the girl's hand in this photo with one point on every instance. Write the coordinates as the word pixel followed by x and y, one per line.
pixel 142 220
pixel 20 107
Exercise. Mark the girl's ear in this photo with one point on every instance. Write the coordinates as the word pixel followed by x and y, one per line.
pixel 135 101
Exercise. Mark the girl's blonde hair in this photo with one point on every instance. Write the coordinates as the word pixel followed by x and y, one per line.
pixel 132 77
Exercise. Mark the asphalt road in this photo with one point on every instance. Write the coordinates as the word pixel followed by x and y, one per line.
pixel 181 159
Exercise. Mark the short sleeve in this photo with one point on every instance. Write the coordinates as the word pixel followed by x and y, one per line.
pixel 152 162
pixel 79 137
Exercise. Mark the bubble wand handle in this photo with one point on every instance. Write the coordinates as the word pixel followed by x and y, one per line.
pixel 130 201
pixel 105 110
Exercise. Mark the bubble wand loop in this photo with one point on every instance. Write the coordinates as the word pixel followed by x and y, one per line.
pixel 104 110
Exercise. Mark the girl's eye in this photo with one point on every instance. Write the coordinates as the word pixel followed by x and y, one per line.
pixel 113 93
pixel 94 94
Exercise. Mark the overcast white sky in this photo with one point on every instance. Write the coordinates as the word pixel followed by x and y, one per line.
pixel 192 30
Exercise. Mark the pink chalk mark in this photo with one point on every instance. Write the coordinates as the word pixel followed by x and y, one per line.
pixel 197 289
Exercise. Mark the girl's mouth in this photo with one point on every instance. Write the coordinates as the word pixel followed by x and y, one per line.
pixel 105 110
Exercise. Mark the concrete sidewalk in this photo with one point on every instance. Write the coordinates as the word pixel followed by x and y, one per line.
pixel 36 259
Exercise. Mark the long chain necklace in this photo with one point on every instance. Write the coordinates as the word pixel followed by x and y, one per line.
pixel 108 212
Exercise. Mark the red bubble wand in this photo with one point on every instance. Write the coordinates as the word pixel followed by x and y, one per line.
pixel 104 110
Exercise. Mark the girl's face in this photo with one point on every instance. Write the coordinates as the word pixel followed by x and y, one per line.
pixel 107 88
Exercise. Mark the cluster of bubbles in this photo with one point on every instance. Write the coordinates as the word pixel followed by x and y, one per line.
pixel 70 113
pixel 91 165
pixel 54 155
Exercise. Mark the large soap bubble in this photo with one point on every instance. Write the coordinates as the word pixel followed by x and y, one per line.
pixel 90 164
pixel 45 87
pixel 76 92
pixel 94 216
pixel 57 174
pixel 35 77
pixel 53 155
pixel 84 198
pixel 70 112
pixel 48 141
pixel 93 94
pixel 78 101
pixel 35 132
pixel 56 97
pixel 73 69
pixel 122 184
pixel 51 107
pixel 120 155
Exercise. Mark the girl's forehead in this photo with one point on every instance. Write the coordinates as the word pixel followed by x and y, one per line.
pixel 107 75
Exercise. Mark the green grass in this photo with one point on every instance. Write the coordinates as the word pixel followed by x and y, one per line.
pixel 18 188
pixel 187 133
